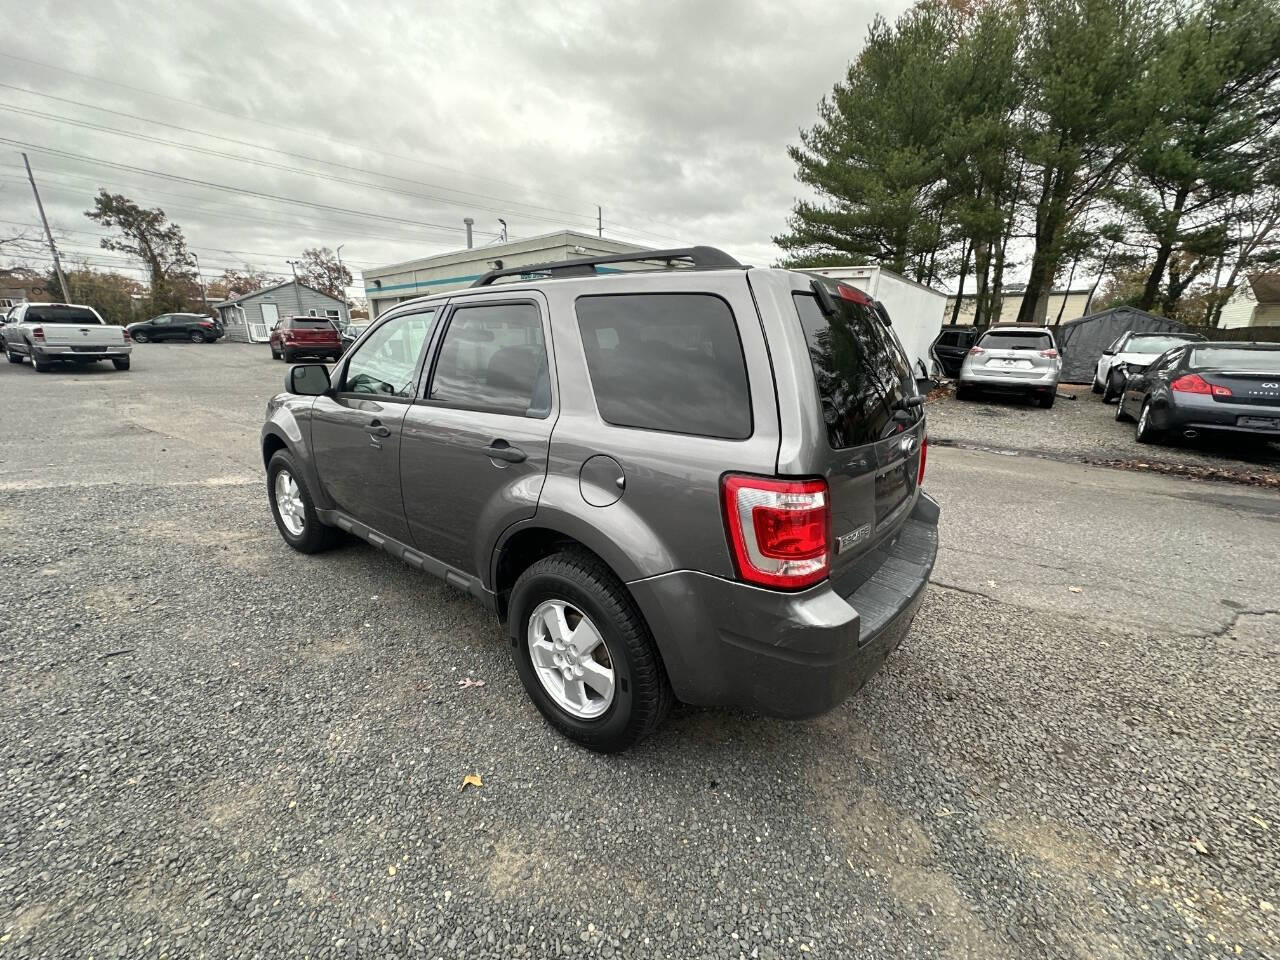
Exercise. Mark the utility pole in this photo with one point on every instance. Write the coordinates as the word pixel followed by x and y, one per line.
pixel 297 293
pixel 53 248
pixel 599 222
pixel 200 280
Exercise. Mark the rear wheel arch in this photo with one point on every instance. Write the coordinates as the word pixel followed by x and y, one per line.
pixel 526 547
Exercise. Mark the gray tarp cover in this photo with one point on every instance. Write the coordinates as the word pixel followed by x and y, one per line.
pixel 1082 341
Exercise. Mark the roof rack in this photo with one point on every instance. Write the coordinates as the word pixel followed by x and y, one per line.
pixel 700 258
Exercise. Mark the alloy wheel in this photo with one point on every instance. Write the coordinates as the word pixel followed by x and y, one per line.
pixel 571 659
pixel 289 503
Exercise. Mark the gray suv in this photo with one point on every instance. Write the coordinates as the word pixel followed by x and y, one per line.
pixel 675 478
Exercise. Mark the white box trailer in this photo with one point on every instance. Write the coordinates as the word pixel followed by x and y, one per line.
pixel 916 310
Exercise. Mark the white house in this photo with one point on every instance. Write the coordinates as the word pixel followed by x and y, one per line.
pixel 250 317
pixel 1255 302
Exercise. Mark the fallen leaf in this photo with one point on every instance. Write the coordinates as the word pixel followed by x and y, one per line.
pixel 1261 823
pixel 391 870
pixel 991 583
pixel 1265 906
pixel 472 780
pixel 1199 845
pixel 1076 589
pixel 468 682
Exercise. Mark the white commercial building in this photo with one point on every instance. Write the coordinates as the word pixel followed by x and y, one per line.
pixel 384 287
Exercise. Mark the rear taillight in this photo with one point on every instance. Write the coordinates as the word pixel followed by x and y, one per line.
pixel 37 334
pixel 208 324
pixel 127 338
pixel 924 455
pixel 780 530
pixel 976 350
pixel 1194 383
pixel 1050 353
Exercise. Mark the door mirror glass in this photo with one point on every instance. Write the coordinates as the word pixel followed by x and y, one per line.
pixel 308 379
pixel 1108 352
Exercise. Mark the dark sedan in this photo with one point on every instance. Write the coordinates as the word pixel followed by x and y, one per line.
pixel 1195 388
pixel 196 327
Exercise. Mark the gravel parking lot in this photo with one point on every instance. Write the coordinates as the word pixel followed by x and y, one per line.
pixel 215 747
pixel 1080 425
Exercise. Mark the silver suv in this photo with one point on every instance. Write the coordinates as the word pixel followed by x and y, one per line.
pixel 673 478
pixel 1013 360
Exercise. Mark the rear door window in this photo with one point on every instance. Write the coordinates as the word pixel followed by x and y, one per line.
pixel 863 377
pixel 494 359
pixel 667 361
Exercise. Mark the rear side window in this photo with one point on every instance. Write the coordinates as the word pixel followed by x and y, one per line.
pixel 949 339
pixel 863 377
pixel 1016 340
pixel 667 361
pixel 494 359
pixel 80 315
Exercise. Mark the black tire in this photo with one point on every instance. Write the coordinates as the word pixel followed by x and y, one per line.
pixel 1046 399
pixel 963 392
pixel 1112 390
pixel 288 356
pixel 275 354
pixel 121 363
pixel 13 357
pixel 1121 416
pixel 140 336
pixel 1145 432
pixel 195 336
pixel 315 536
pixel 40 363
pixel 642 694
pixel 1097 387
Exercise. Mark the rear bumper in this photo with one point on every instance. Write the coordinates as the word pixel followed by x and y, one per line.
pixel 61 352
pixel 726 643
pixel 1010 380
pixel 1195 412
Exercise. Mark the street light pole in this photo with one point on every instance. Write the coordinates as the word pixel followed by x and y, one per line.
pixel 48 235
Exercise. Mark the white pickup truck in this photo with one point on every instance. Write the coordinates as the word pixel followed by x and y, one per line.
pixel 49 333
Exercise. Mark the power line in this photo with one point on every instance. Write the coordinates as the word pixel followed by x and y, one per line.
pixel 363 148
pixel 50 151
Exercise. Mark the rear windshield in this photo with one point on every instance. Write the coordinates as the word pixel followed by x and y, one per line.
pixel 1015 340
pixel 1234 358
pixel 667 361
pixel 77 315
pixel 311 322
pixel 863 376
pixel 1153 345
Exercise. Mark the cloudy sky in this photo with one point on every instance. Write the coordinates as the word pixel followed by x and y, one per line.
pixel 380 126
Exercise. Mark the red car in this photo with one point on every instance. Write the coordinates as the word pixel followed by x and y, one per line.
pixel 295 337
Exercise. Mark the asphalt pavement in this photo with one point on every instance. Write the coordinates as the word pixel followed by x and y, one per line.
pixel 215 747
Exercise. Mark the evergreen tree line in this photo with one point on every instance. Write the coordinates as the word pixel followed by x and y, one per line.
pixel 1135 139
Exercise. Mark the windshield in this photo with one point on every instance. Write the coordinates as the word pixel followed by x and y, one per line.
pixel 1153 345
pixel 1237 358
pixel 1016 340
pixel 77 315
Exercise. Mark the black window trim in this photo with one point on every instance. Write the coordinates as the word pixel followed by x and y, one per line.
pixel 746 367
pixel 340 368
pixel 422 392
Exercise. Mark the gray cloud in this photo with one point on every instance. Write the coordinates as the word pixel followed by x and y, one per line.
pixel 674 117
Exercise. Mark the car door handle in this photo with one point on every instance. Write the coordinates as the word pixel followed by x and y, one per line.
pixel 501 450
pixel 376 429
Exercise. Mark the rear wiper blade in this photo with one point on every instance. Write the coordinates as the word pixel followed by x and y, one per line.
pixel 907 403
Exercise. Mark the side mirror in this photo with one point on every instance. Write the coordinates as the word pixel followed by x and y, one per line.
pixel 1108 352
pixel 308 380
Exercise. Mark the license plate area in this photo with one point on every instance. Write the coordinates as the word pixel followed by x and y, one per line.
pixel 892 489
pixel 1010 364
pixel 1259 423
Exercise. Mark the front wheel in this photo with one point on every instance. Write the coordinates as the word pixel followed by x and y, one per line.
pixel 585 654
pixel 1097 387
pixel 293 508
